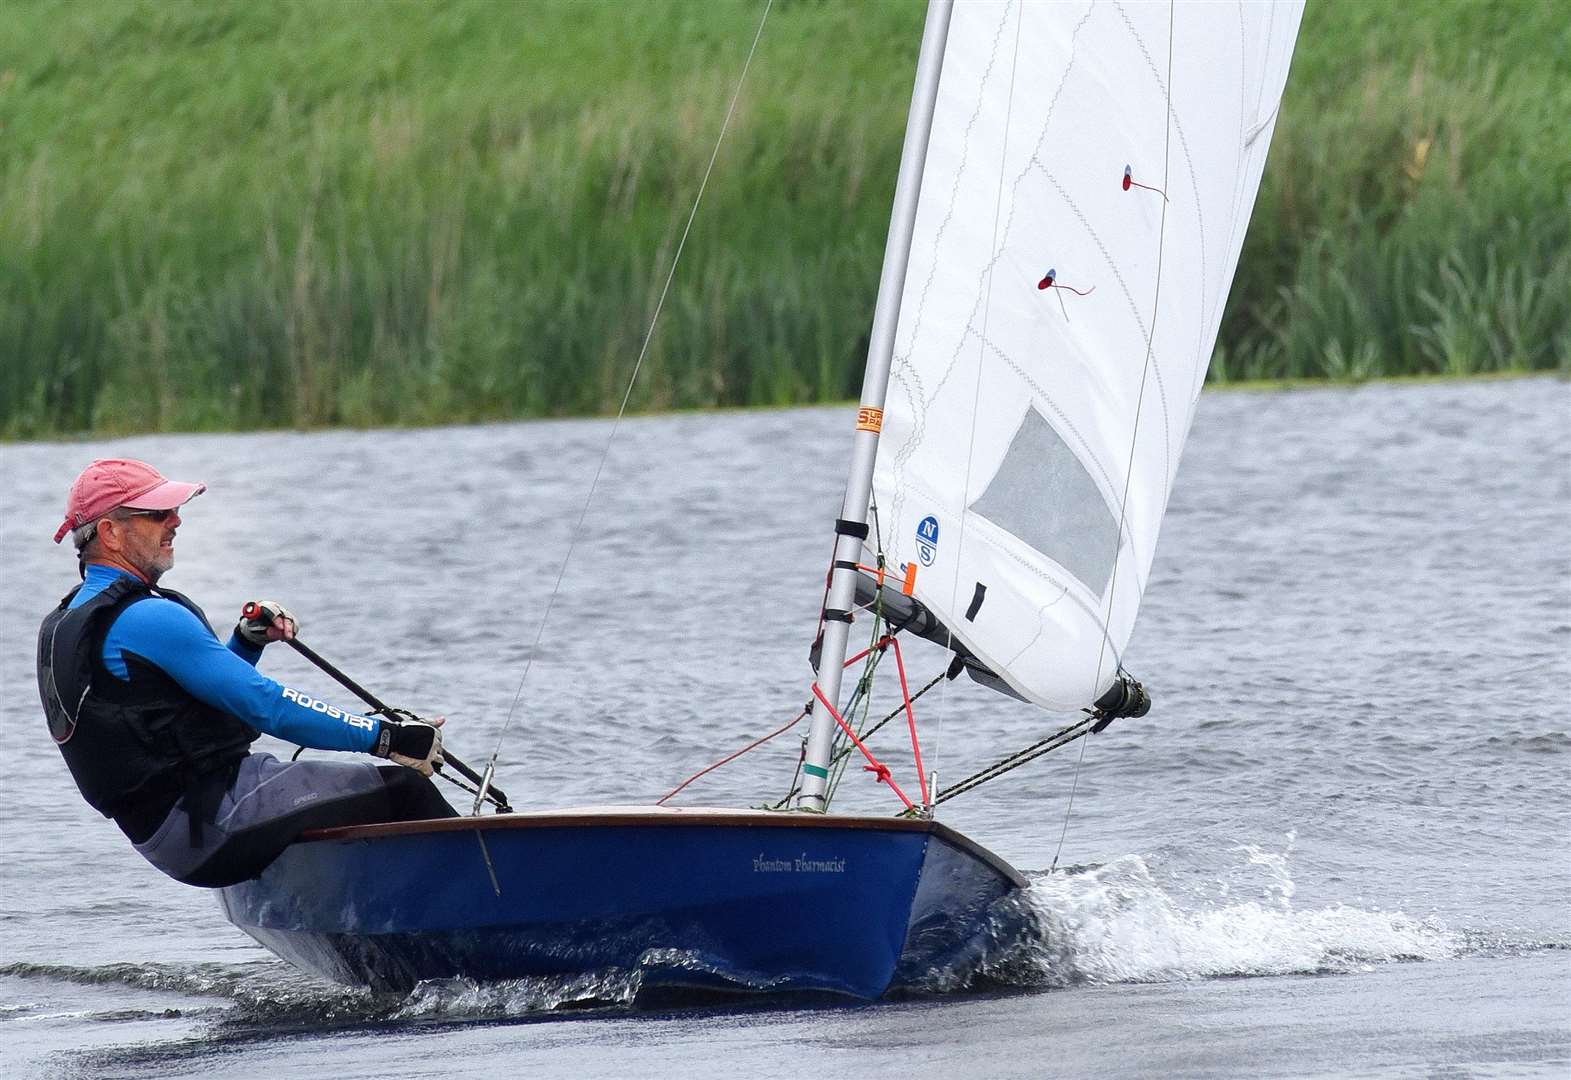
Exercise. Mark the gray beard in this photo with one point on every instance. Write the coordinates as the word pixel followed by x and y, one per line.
pixel 158 567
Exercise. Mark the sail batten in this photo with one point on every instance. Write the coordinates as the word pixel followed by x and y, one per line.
pixel 1090 173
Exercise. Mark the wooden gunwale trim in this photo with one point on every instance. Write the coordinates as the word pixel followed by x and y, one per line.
pixel 652 819
pixel 666 819
pixel 977 851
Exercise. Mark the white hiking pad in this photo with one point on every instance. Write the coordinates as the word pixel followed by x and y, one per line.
pixel 1018 414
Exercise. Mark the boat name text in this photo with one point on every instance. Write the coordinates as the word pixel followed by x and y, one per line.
pixel 763 864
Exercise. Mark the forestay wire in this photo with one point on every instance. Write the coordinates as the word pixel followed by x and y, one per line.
pixel 626 397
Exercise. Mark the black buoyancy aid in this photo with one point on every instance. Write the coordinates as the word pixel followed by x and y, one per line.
pixel 126 741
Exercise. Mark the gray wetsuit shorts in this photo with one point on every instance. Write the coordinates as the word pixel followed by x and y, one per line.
pixel 269 804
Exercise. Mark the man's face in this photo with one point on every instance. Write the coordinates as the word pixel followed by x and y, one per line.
pixel 146 540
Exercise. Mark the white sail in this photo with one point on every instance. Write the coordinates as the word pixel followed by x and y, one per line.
pixel 1056 320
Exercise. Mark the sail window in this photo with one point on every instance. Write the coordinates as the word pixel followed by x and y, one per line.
pixel 1043 495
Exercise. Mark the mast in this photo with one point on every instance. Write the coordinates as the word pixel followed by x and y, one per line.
pixel 851 529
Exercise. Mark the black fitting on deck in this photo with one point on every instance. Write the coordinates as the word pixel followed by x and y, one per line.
pixel 1126 697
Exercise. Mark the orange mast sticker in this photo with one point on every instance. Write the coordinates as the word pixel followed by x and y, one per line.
pixel 869 419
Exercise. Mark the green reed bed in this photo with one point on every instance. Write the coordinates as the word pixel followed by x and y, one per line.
pixel 235 215
pixel 1415 216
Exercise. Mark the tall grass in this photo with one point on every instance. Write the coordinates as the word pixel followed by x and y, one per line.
pixel 1416 212
pixel 234 214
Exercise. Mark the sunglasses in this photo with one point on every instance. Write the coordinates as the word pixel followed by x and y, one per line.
pixel 120 514
pixel 160 516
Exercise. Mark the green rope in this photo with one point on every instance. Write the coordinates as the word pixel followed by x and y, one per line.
pixel 846 753
pixel 840 749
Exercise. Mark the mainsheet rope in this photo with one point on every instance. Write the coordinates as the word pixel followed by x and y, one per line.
pixel 1062 737
pixel 627 395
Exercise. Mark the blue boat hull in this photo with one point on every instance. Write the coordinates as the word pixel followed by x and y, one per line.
pixel 738 900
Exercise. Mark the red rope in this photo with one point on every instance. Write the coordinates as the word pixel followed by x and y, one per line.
pixel 731 758
pixel 874 766
pixel 1054 283
pixel 1130 181
pixel 905 692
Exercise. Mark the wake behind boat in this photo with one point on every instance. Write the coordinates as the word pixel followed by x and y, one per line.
pixel 1074 189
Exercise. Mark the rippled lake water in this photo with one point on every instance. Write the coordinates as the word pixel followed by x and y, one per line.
pixel 1340 844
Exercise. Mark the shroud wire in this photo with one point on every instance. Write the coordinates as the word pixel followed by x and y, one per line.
pixel 626 396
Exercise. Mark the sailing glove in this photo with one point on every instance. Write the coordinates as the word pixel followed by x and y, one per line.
pixel 415 743
pixel 260 616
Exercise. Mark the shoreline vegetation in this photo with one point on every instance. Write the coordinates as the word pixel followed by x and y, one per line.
pixel 1309 384
pixel 230 216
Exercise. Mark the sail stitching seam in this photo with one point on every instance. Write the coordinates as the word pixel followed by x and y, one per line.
pixel 1069 424
pixel 1079 602
pixel 954 190
pixel 1014 199
pixel 1134 309
pixel 987 308
pixel 987 304
pixel 1156 308
pixel 1048 577
pixel 998 253
pixel 1175 124
pixel 903 360
pixel 909 448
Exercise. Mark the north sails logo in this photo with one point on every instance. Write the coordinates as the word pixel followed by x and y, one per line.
pixel 927 540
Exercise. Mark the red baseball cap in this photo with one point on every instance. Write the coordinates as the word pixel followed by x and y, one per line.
pixel 110 483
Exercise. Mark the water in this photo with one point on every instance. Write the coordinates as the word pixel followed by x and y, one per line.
pixel 1339 845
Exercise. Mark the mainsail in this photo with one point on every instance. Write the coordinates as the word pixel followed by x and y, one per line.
pixel 1088 181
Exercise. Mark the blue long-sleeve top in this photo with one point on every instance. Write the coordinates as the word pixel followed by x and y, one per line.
pixel 163 633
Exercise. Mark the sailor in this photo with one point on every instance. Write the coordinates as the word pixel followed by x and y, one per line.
pixel 155 717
